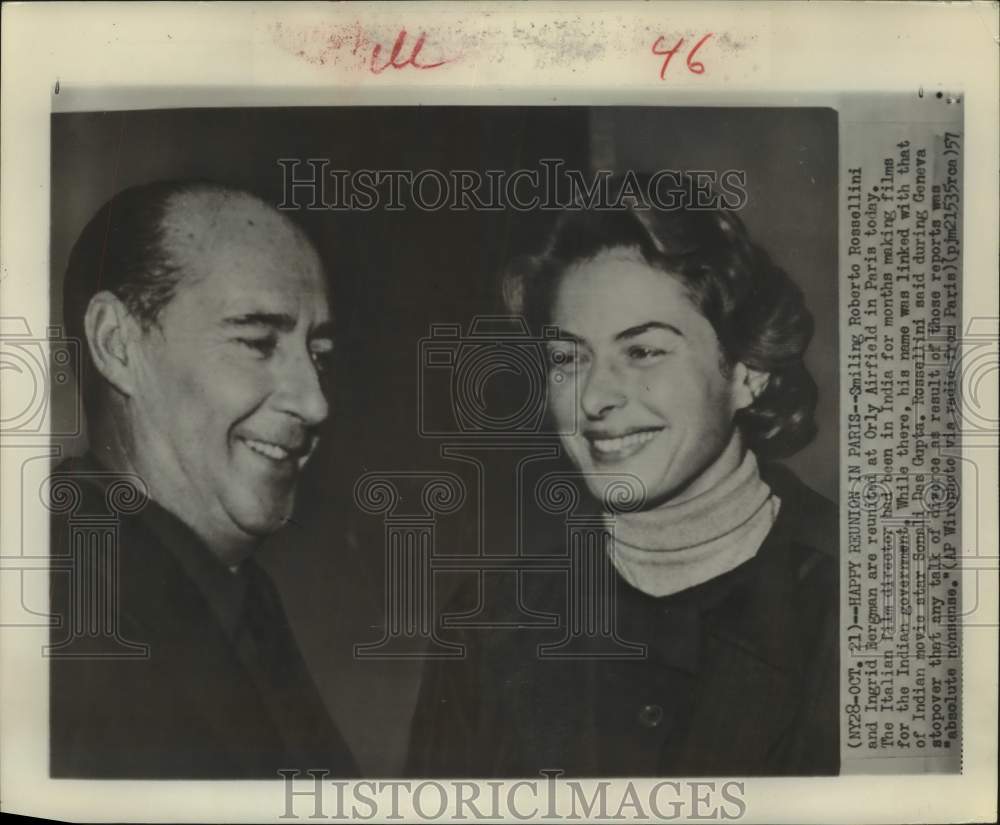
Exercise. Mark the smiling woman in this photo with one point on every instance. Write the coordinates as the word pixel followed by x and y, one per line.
pixel 685 344
pixel 657 395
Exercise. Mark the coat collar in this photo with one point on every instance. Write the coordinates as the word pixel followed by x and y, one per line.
pixel 223 589
pixel 167 603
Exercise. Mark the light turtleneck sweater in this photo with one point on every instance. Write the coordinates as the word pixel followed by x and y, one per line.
pixel 672 547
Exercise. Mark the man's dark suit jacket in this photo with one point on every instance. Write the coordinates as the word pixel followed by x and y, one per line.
pixel 740 675
pixel 211 699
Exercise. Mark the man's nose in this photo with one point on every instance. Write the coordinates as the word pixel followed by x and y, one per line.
pixel 301 392
pixel 603 390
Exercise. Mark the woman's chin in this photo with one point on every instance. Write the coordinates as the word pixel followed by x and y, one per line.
pixel 617 490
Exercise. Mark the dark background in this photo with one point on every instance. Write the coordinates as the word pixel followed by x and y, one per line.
pixel 396 273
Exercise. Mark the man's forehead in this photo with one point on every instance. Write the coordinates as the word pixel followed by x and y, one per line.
pixel 199 223
pixel 245 257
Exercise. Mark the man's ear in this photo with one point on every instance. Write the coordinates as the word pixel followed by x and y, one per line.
pixel 749 384
pixel 109 328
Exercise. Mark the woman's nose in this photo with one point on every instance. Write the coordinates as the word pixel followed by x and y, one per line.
pixel 603 391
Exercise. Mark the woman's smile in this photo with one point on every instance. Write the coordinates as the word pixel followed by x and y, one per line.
pixel 610 448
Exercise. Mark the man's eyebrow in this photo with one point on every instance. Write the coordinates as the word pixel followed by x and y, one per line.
pixel 639 329
pixel 276 320
pixel 280 321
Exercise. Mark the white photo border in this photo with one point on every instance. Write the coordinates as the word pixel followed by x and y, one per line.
pixel 75 56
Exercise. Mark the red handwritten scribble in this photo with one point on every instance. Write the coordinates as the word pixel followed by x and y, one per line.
pixel 358 48
pixel 397 50
pixel 694 66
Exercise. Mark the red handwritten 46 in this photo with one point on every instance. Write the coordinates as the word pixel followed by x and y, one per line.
pixel 694 66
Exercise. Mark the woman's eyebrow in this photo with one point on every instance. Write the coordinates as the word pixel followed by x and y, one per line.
pixel 324 329
pixel 566 335
pixel 639 329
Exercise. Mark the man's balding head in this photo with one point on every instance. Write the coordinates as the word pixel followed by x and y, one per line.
pixel 146 239
pixel 206 324
pixel 198 222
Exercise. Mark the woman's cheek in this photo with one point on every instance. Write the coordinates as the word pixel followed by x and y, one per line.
pixel 660 387
pixel 563 403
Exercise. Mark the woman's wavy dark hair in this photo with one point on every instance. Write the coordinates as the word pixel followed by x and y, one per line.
pixel 757 311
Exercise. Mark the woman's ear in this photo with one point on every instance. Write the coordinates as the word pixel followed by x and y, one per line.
pixel 107 325
pixel 749 384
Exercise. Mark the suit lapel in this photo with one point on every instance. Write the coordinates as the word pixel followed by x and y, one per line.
pixel 191 657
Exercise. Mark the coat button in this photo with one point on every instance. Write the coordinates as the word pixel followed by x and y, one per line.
pixel 650 716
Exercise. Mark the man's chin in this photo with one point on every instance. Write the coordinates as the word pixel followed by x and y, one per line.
pixel 260 520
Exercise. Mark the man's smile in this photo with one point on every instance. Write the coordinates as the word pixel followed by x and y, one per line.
pixel 280 453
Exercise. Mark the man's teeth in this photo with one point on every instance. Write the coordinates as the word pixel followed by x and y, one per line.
pixel 613 445
pixel 265 448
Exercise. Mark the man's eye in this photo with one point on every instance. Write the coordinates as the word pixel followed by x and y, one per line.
pixel 264 346
pixel 641 353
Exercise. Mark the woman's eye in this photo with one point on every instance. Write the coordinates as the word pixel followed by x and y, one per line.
pixel 563 358
pixel 321 353
pixel 323 359
pixel 263 346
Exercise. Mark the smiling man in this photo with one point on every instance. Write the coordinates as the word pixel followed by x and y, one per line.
pixel 204 320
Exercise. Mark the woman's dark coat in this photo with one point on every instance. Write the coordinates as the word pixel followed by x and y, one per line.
pixel 740 675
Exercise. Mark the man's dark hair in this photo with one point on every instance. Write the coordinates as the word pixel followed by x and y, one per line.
pixel 121 250
pixel 758 313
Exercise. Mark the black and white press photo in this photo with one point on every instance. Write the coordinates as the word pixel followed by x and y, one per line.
pixel 337 363
pixel 488 412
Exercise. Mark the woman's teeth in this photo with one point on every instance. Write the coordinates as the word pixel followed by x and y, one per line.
pixel 615 445
pixel 267 449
